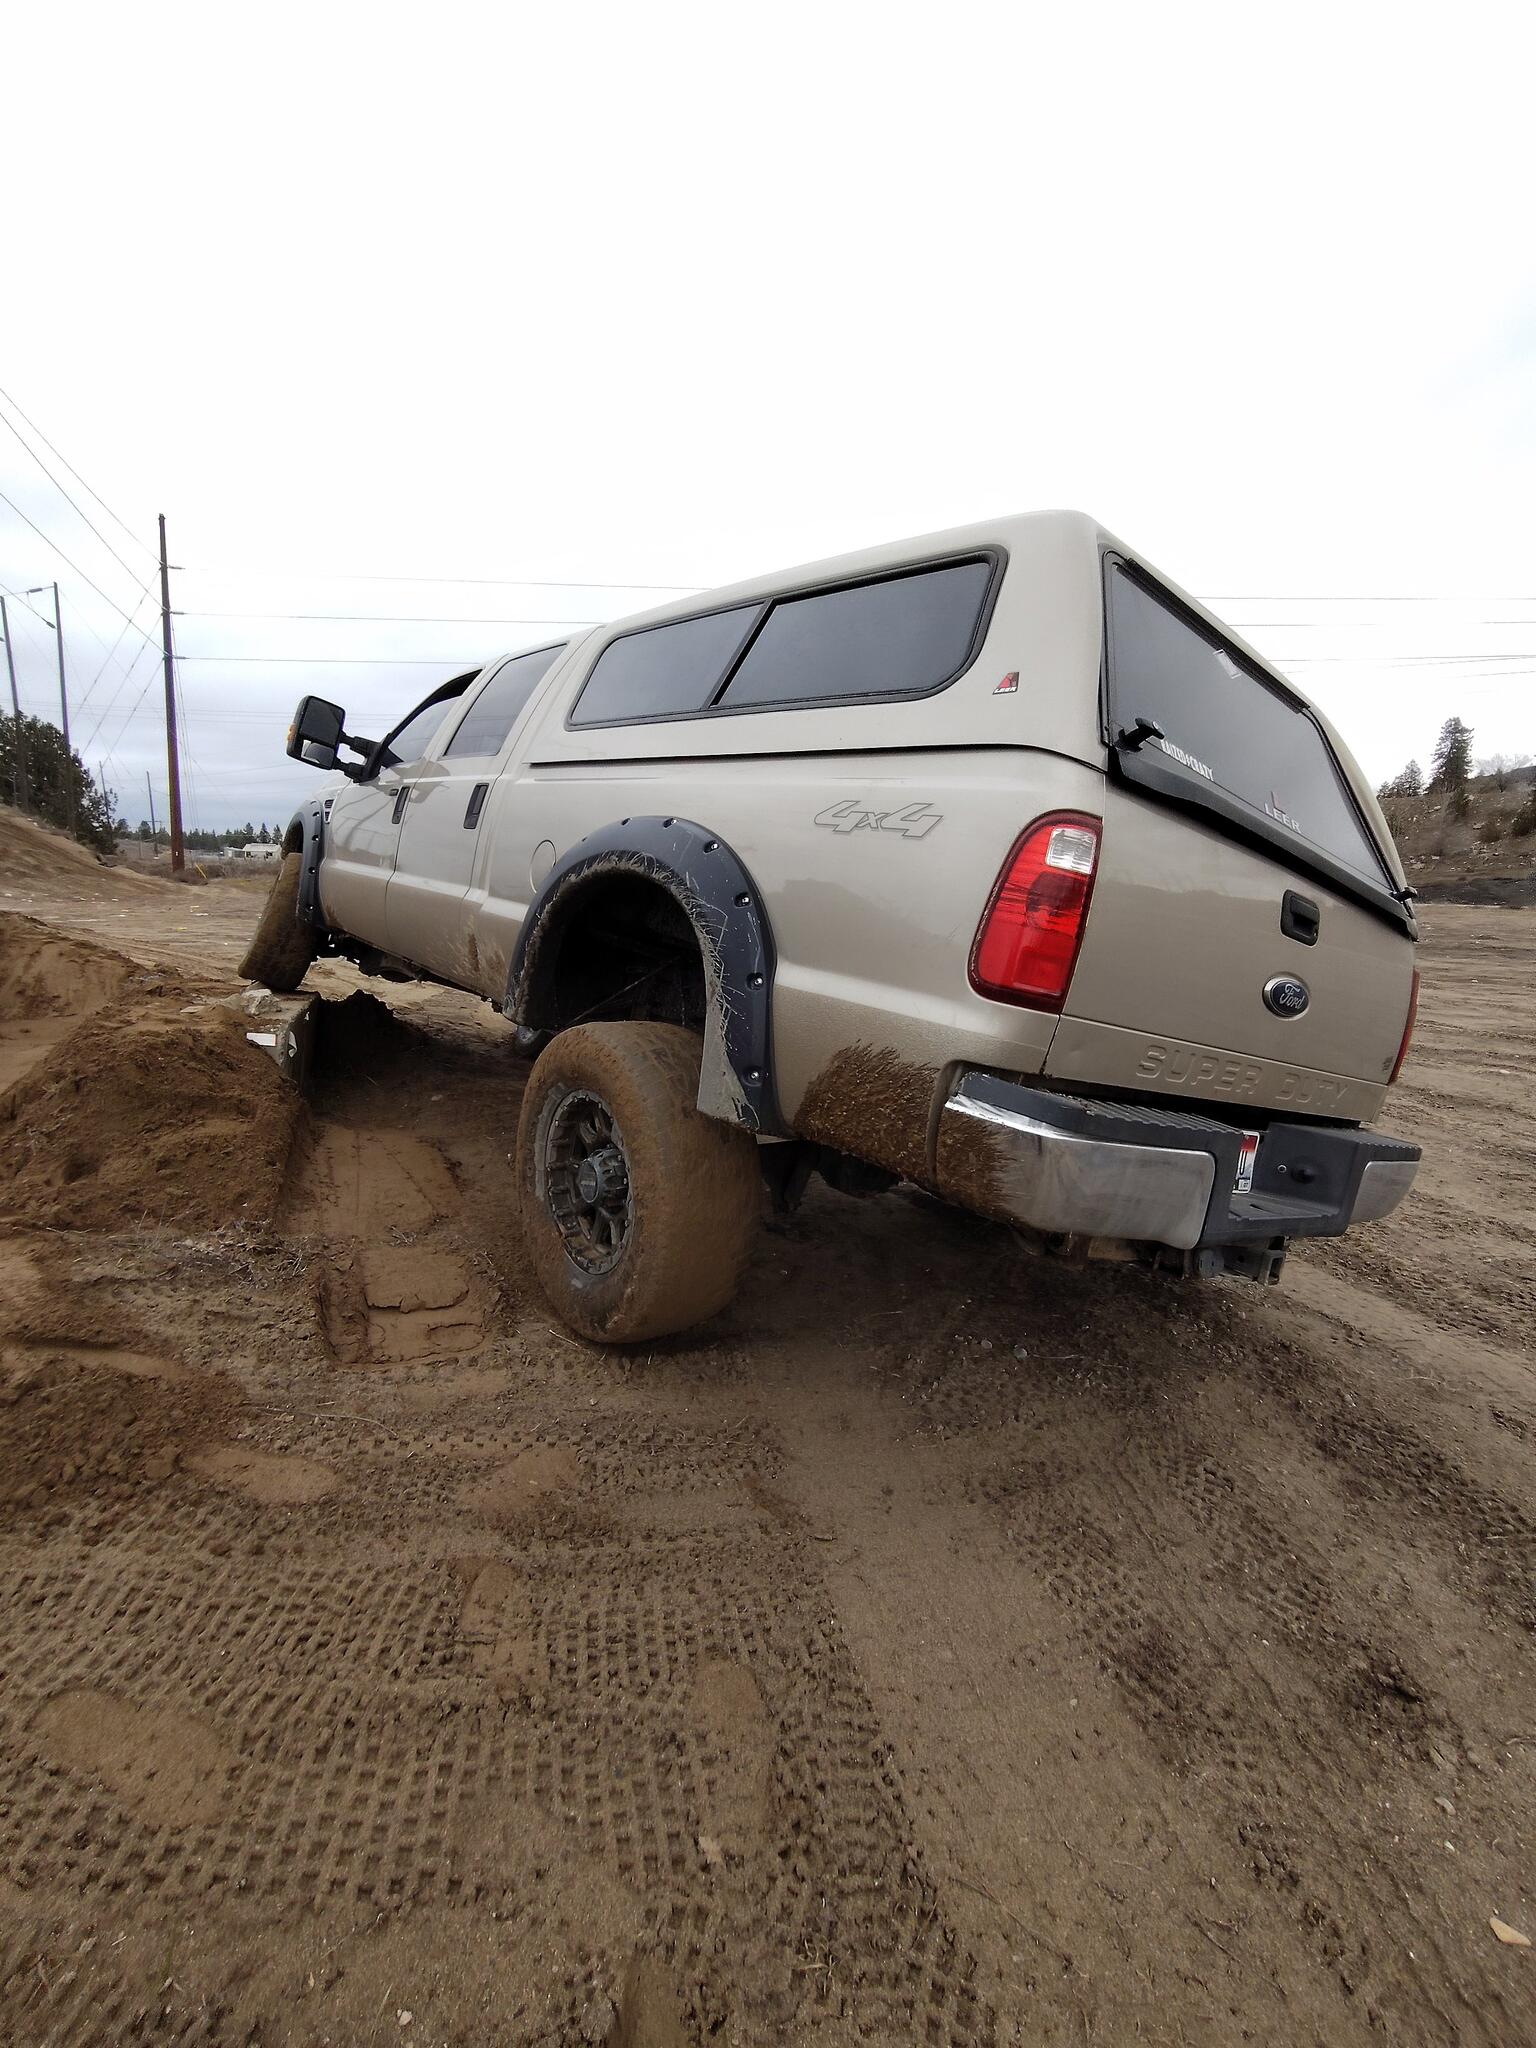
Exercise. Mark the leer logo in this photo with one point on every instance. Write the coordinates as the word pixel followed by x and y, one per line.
pixel 1008 687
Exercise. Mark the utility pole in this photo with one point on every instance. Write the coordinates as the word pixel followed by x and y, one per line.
pixel 154 830
pixel 58 628
pixel 178 852
pixel 21 736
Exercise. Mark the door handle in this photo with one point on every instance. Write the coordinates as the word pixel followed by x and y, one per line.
pixel 1300 918
pixel 401 801
pixel 475 806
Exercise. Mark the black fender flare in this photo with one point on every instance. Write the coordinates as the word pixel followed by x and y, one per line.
pixel 713 889
pixel 306 835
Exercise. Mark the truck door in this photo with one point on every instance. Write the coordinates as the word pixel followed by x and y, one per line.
pixel 440 834
pixel 362 832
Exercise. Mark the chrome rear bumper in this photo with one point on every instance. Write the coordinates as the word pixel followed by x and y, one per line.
pixel 1150 1173
pixel 1055 1180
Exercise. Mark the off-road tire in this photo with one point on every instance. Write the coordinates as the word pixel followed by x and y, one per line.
pixel 693 1192
pixel 280 953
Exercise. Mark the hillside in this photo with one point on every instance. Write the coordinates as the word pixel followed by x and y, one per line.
pixel 1481 857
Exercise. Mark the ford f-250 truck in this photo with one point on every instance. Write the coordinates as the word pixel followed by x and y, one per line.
pixel 989 861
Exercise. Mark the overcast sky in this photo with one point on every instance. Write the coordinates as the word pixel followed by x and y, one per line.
pixel 673 295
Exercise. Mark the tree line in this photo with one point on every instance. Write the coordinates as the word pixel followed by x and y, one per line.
pixel 200 842
pixel 40 775
pixel 1451 773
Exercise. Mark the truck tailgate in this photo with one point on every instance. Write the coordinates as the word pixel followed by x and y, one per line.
pixel 1184 934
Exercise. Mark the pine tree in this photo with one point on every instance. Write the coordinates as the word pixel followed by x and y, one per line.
pixel 58 786
pixel 1452 760
pixel 1408 781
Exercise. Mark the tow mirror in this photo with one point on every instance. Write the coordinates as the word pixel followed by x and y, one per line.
pixel 316 732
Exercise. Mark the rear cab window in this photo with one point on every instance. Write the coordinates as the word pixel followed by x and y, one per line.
pixel 896 638
pixel 904 634
pixel 1234 743
pixel 669 671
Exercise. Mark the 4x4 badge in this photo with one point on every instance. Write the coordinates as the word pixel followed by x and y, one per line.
pixel 912 819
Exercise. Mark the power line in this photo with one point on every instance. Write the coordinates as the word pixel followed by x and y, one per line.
pixel 389 618
pixel 1408 660
pixel 1356 625
pixel 111 651
pixel 72 563
pixel 484 582
pixel 47 472
pixel 341 660
pixel 106 710
pixel 79 479
pixel 20 597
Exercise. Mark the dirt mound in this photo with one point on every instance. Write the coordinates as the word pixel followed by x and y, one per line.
pixel 43 973
pixel 48 983
pixel 155 1113
pixel 30 852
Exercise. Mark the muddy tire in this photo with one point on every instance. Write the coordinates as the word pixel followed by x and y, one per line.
pixel 279 955
pixel 637 1211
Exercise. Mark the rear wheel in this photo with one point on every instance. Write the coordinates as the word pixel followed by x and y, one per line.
pixel 280 953
pixel 638 1212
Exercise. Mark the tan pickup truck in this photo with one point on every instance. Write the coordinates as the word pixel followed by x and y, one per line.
pixel 988 860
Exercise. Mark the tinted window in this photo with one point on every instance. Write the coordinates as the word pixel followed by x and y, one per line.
pixel 411 740
pixel 495 711
pixel 907 634
pixel 665 671
pixel 1228 729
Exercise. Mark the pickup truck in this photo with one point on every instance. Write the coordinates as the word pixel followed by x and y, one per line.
pixel 988 861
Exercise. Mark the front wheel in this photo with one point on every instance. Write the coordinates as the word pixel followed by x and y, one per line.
pixel 638 1211
pixel 279 955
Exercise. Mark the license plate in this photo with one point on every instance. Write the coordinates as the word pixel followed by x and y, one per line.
pixel 1247 1153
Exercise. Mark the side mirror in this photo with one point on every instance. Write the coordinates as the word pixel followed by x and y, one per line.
pixel 316 732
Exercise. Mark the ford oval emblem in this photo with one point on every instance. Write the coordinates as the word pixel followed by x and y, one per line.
pixel 1285 995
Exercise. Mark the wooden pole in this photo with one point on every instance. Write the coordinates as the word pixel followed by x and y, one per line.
pixel 173 764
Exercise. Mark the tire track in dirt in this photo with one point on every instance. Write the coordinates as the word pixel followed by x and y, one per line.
pixel 565 1615
pixel 1190 1491
pixel 834 1676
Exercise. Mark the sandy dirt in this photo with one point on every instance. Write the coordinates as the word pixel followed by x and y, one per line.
pixel 941 1647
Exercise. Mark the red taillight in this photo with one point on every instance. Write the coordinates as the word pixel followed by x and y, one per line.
pixel 1027 945
pixel 1413 1011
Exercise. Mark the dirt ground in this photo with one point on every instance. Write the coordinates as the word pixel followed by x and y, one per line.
pixel 943 1647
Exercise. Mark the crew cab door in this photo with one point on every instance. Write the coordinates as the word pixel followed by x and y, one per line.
pixel 362 832
pixel 425 911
